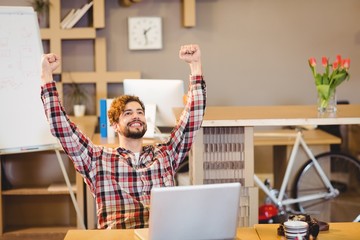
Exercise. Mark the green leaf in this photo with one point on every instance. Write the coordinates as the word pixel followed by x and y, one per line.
pixel 340 75
pixel 318 79
pixel 327 70
pixel 338 79
pixel 323 91
pixel 325 79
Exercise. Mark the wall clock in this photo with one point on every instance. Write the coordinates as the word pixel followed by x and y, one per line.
pixel 145 33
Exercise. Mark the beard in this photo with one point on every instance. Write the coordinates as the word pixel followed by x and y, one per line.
pixel 135 134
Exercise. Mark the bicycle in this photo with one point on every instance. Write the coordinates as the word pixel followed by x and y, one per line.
pixel 331 177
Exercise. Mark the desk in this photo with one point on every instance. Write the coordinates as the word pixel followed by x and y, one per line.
pixel 278 137
pixel 234 126
pixel 282 141
pixel 128 234
pixel 337 231
pixel 348 231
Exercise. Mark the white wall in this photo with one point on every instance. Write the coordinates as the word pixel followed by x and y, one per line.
pixel 255 52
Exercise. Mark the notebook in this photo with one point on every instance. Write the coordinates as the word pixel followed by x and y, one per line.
pixel 193 212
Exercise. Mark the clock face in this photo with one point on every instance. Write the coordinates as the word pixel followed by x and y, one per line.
pixel 145 33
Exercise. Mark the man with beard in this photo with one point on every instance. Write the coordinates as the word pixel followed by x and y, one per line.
pixel 121 179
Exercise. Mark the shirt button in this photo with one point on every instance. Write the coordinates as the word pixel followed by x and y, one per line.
pixel 144 193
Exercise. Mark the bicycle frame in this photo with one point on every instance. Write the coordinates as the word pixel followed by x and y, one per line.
pixel 279 200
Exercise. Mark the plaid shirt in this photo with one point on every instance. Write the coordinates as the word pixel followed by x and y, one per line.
pixel 120 185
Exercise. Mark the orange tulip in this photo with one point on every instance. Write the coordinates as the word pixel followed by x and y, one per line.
pixel 346 63
pixel 312 61
pixel 324 61
pixel 335 65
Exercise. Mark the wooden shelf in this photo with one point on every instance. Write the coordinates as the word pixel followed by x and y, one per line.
pixel 38 191
pixel 282 137
pixel 48 199
pixel 52 232
pixel 73 33
pixel 100 77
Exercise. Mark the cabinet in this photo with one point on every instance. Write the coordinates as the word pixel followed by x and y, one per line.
pixel 34 197
pixel 100 77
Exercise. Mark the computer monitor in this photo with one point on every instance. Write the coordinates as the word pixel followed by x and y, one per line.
pixel 166 94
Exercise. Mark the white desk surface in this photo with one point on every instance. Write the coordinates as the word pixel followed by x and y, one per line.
pixel 286 115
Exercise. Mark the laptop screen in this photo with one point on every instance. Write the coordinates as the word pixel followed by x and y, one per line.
pixel 194 212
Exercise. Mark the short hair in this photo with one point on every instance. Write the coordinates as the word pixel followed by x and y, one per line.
pixel 117 107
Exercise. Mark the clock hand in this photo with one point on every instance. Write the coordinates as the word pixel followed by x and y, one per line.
pixel 145 35
pixel 146 30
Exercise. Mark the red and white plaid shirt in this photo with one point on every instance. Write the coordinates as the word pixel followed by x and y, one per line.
pixel 120 184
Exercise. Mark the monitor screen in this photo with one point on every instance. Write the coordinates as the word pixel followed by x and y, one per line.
pixel 166 94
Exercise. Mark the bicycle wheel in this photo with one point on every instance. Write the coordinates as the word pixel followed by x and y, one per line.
pixel 344 174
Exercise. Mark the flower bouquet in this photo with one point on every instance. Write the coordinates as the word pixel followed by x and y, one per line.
pixel 326 83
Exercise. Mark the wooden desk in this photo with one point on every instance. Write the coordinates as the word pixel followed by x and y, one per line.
pixel 281 137
pixel 282 141
pixel 234 126
pixel 337 231
pixel 348 231
pixel 272 149
pixel 128 234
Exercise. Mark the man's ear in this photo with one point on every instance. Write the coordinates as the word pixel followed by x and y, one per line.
pixel 115 126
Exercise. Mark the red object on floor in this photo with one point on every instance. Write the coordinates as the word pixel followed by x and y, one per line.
pixel 267 211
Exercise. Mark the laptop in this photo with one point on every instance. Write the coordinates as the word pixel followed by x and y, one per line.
pixel 193 212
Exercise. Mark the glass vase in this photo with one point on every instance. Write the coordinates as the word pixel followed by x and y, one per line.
pixel 327 105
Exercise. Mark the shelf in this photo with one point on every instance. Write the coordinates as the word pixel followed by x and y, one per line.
pixel 73 33
pixel 36 232
pixel 101 77
pixel 34 193
pixel 52 190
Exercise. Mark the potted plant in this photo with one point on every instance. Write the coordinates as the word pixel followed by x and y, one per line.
pixel 41 7
pixel 326 83
pixel 78 97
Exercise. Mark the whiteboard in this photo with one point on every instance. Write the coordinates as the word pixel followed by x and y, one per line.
pixel 23 125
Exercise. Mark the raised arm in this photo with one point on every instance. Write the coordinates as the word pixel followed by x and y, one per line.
pixel 75 144
pixel 192 55
pixel 49 63
pixel 183 135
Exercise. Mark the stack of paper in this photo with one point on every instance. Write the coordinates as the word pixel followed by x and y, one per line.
pixel 74 16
